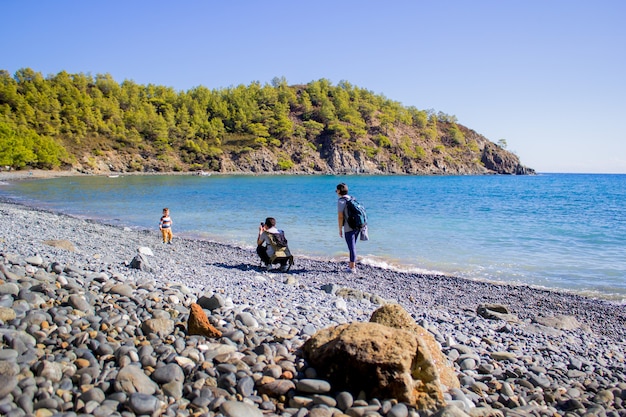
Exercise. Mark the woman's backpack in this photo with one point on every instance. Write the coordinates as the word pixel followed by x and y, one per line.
pixel 356 214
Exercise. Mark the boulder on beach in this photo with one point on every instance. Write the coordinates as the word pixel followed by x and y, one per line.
pixel 496 312
pixel 393 315
pixel 389 357
pixel 141 262
pixel 198 323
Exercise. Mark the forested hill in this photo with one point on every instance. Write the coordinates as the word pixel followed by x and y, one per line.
pixel 95 124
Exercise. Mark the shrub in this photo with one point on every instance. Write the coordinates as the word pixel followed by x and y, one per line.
pixel 383 141
pixel 285 164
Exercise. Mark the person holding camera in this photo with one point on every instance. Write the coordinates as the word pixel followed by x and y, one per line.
pixel 269 236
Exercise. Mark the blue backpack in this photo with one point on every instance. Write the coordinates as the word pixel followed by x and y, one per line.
pixel 356 214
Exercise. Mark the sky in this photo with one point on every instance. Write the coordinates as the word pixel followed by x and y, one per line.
pixel 547 76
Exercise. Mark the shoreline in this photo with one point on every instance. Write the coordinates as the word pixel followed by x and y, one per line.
pixel 604 316
pixel 374 263
pixel 71 283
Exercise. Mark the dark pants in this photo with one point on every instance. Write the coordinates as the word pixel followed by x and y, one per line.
pixel 351 238
pixel 262 252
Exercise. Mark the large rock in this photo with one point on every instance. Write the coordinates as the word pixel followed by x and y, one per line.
pixel 393 315
pixel 198 323
pixel 391 358
pixel 141 262
pixel 496 312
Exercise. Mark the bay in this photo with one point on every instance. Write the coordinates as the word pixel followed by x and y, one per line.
pixel 558 231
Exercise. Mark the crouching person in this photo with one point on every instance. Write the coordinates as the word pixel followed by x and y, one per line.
pixel 272 246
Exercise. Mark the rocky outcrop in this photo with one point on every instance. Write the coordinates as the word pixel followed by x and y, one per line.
pixel 499 161
pixel 389 357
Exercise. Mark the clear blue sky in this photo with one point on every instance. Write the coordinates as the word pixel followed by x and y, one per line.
pixel 549 76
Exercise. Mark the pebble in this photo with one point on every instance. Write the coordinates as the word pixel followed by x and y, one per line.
pixel 313 386
pixel 239 409
pixel 84 334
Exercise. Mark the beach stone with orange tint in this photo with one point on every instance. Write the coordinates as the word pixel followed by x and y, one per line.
pixel 198 323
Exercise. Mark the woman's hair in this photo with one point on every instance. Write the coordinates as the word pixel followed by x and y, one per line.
pixel 342 188
pixel 270 222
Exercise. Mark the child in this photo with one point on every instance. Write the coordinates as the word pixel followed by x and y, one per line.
pixel 165 226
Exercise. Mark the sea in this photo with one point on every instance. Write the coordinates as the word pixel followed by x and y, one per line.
pixel 556 231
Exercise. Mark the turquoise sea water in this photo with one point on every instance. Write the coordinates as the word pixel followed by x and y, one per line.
pixel 563 231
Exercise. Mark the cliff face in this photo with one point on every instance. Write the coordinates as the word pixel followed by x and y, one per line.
pixel 483 158
pixel 475 156
pixel 487 159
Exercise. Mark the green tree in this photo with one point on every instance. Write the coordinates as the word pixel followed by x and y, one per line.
pixel 22 147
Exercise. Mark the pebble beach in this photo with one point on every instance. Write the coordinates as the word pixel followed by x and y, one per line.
pixel 75 337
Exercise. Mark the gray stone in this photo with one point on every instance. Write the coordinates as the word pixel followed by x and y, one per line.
pixel 142 403
pixel 239 409
pixel 122 289
pixel 326 400
pixel 245 386
pixel 211 303
pixel 7 384
pixel 168 373
pixel 345 400
pixel 330 288
pixel 496 312
pixel 159 327
pixel 308 329
pixel 131 379
pixel 503 356
pixel 247 319
pixel 450 411
pixel 144 250
pixel 558 322
pixel 398 410
pixel 313 386
pixel 94 394
pixel 52 371
pixel 80 303
pixel 9 288
pixel 34 260
pixel 141 262
pixel 467 364
pixel 174 389
pixel 604 397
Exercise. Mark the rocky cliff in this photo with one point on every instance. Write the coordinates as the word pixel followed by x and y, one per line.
pixel 475 156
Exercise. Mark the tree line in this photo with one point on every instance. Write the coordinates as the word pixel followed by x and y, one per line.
pixel 50 122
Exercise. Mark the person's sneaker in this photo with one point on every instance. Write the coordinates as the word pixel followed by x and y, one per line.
pixel 348 269
pixel 284 268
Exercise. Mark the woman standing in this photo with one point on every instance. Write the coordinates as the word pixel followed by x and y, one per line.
pixel 345 230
